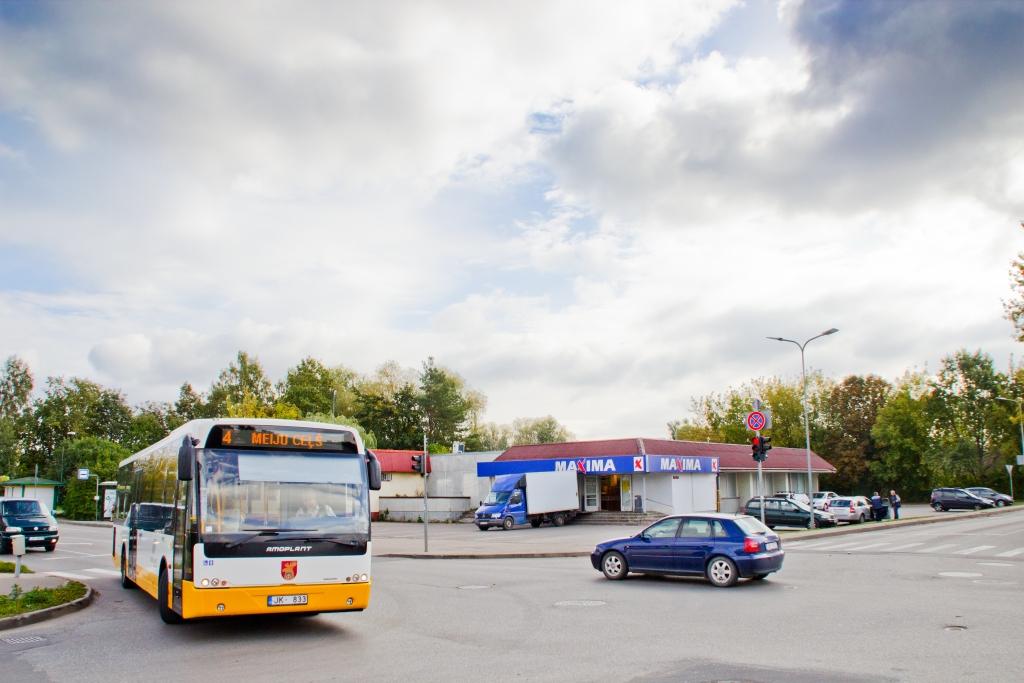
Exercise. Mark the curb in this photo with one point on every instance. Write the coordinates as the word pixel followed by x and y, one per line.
pixel 867 527
pixel 50 612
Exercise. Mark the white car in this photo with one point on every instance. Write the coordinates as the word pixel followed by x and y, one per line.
pixel 852 509
pixel 798 497
pixel 823 498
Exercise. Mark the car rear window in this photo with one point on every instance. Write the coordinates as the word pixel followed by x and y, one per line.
pixel 841 502
pixel 749 525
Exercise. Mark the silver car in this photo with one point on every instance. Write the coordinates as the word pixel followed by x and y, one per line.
pixel 852 509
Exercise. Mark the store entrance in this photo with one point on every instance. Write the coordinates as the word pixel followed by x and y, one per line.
pixel 610 496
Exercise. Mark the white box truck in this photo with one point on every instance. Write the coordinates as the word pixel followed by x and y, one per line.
pixel 534 498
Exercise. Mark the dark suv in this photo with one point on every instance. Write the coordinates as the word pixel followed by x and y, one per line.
pixel 782 511
pixel 29 518
pixel 958 499
pixel 1000 499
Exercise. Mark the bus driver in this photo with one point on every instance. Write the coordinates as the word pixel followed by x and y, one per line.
pixel 313 508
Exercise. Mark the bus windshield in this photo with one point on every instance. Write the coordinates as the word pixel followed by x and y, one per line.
pixel 282 492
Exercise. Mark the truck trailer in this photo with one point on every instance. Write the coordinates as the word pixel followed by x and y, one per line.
pixel 534 498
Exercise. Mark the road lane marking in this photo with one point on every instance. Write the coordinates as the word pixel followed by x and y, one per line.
pixel 75 552
pixel 975 549
pixel 69 575
pixel 105 572
pixel 904 547
pixel 1011 553
pixel 838 546
pixel 936 548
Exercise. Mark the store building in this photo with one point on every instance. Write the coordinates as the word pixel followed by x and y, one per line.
pixel 662 475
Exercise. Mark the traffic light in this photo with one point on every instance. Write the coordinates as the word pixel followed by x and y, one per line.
pixel 755 447
pixel 766 445
pixel 417 464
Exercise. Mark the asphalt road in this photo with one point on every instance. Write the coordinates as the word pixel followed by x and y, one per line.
pixel 933 602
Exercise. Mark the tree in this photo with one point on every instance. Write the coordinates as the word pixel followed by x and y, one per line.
pixel 101 456
pixel 243 377
pixel 15 390
pixel 902 434
pixel 443 402
pixel 189 406
pixel 539 430
pixel 312 387
pixel 1015 306
pixel 393 419
pixel 489 437
pixel 369 440
pixel 847 416
pixel 968 422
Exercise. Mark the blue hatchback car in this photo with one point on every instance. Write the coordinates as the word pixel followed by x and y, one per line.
pixel 721 547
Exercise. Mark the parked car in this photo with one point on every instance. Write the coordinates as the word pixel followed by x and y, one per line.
pixel 822 499
pixel 721 547
pixel 958 499
pixel 29 518
pixel 792 495
pixel 852 509
pixel 782 511
pixel 1000 499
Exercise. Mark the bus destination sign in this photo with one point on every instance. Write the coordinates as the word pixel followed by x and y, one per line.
pixel 262 437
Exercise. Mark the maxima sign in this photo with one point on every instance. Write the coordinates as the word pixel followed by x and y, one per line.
pixel 621 464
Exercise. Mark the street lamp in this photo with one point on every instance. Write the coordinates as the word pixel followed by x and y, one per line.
pixel 1019 422
pixel 807 424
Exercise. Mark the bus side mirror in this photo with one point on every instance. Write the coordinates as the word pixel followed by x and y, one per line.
pixel 372 471
pixel 186 459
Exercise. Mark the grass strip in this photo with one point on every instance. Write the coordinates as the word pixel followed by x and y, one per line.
pixel 8 568
pixel 20 602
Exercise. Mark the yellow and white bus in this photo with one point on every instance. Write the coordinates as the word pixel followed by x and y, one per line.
pixel 235 516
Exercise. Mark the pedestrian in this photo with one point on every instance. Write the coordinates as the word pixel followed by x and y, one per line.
pixel 894 504
pixel 876 507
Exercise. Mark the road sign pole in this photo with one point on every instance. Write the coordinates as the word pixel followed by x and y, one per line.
pixel 760 484
pixel 1009 471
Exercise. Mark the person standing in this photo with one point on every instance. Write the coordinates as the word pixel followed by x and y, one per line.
pixel 876 507
pixel 894 504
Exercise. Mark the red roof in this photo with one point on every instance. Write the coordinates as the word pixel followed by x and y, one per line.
pixel 397 460
pixel 731 456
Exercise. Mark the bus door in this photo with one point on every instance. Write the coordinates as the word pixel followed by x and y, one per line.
pixel 181 561
pixel 133 540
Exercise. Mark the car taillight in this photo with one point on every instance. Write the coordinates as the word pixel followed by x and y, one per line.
pixel 852 508
pixel 751 545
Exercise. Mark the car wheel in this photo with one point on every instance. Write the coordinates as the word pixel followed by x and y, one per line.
pixel 860 520
pixel 937 507
pixel 721 571
pixel 614 566
pixel 4 548
pixel 559 520
pixel 481 527
pixel 168 615
pixel 759 577
pixel 50 547
pixel 536 522
pixel 125 581
pixel 977 507
pixel 1000 503
pixel 508 523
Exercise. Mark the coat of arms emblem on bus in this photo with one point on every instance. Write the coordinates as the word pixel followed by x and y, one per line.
pixel 289 569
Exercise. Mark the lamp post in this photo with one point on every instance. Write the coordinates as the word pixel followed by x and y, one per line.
pixel 807 424
pixel 425 422
pixel 1020 422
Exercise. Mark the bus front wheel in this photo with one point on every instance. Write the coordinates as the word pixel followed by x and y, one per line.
pixel 166 613
pixel 125 581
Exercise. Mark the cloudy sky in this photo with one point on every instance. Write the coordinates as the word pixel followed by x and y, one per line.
pixel 591 210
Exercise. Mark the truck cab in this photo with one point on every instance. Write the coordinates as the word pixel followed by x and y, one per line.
pixel 505 505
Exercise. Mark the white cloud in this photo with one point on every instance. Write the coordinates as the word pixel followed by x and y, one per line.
pixel 575 205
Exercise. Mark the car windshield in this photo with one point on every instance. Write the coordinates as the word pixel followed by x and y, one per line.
pixel 279 492
pixel 497 497
pixel 749 525
pixel 24 508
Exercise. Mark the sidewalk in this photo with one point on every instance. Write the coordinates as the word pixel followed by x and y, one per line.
pixel 463 541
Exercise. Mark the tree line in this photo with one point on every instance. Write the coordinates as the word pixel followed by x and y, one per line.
pixel 950 428
pixel 79 423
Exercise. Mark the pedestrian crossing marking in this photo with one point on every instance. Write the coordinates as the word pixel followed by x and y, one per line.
pixel 975 549
pixel 839 545
pixel 869 545
pixel 1011 553
pixel 904 547
pixel 937 548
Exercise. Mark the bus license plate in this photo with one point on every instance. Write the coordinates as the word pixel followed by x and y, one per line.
pixel 281 600
pixel 771 546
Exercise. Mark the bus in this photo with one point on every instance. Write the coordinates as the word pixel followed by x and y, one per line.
pixel 238 516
